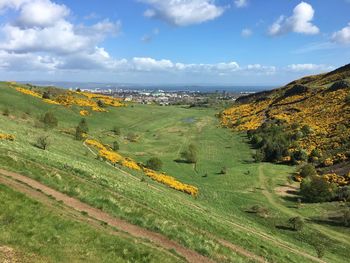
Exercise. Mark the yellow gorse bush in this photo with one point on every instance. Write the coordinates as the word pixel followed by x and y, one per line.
pixel 29 92
pixel 81 99
pixel 171 182
pixel 7 137
pixel 84 113
pixel 339 180
pixel 114 158
pixel 325 112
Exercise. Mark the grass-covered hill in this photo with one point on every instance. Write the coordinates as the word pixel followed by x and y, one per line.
pixel 313 112
pixel 208 199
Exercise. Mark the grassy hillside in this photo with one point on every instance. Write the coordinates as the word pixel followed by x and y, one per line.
pixel 314 110
pixel 218 223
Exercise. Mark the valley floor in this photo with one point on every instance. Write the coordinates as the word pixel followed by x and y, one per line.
pixel 175 227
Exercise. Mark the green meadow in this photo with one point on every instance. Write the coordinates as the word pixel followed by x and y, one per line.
pixel 222 210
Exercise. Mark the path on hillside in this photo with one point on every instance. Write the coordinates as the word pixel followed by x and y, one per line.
pixel 269 196
pixel 274 240
pixel 133 230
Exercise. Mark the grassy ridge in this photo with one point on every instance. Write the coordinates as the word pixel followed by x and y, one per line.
pixel 40 234
pixel 163 132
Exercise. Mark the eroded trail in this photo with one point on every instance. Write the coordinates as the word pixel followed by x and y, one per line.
pixel 269 196
pixel 133 230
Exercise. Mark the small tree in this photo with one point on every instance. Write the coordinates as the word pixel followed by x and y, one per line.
pixel 308 170
pixel 50 120
pixel 317 189
pixel 101 104
pixel 259 156
pixel 42 142
pixel 116 130
pixel 132 137
pixel 79 134
pixel 83 125
pixel 297 223
pixel 190 155
pixel 115 146
pixel 46 95
pixel 223 170
pixel 320 250
pixel 154 163
pixel 6 112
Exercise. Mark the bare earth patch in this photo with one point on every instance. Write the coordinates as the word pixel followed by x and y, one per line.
pixel 7 255
pixel 286 190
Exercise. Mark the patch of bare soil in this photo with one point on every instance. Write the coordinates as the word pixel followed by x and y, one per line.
pixel 286 190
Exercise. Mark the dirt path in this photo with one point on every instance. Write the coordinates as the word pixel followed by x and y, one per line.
pixel 277 242
pixel 135 231
pixel 269 196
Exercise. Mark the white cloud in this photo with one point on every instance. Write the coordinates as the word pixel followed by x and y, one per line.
pixel 246 32
pixel 241 3
pixel 299 22
pixel 309 67
pixel 41 26
pixel 342 36
pixel 41 13
pixel 26 62
pixel 183 12
pixel 15 4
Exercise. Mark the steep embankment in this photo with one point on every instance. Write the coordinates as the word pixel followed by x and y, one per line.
pixel 315 110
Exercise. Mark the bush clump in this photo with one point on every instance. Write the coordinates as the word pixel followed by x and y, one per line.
pixel 190 155
pixel 42 142
pixel 49 120
pixel 154 163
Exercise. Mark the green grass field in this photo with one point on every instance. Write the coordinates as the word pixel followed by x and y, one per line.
pixel 220 210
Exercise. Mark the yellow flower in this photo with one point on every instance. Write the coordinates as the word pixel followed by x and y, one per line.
pixel 8 137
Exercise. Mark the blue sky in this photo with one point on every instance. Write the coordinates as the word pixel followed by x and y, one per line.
pixel 227 42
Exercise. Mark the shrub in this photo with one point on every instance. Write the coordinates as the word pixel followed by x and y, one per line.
pixel 190 155
pixel 101 104
pixel 317 189
pixel 154 163
pixel 299 155
pixel 115 146
pixel 50 120
pixel 116 130
pixel 308 170
pixel 46 95
pixel 306 130
pixel 259 156
pixel 320 249
pixel 83 125
pixel 132 137
pixel 223 170
pixel 297 223
pixel 6 112
pixel 343 193
pixel 79 134
pixel 42 142
pixel 346 217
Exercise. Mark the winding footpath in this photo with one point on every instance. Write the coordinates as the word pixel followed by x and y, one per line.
pixel 135 231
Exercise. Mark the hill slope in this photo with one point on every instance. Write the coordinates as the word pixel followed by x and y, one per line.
pixel 314 109
pixel 218 223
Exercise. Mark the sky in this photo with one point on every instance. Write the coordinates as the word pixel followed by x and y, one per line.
pixel 202 42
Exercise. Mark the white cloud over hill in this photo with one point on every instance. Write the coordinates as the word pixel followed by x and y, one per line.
pixel 299 22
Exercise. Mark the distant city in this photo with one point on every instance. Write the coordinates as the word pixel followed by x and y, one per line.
pixel 161 94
